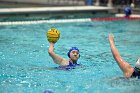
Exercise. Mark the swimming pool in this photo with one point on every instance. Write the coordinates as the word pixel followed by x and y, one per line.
pixel 26 67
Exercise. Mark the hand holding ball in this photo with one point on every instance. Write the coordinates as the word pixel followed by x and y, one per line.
pixel 53 35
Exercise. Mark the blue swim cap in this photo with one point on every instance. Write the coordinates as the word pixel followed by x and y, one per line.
pixel 127 11
pixel 47 91
pixel 73 48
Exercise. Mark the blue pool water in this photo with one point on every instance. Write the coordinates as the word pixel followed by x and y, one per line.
pixel 26 67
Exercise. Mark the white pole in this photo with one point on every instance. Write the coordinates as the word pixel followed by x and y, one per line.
pixel 110 4
pixel 133 4
pixel 97 3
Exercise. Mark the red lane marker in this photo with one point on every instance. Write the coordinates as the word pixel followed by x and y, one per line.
pixel 114 18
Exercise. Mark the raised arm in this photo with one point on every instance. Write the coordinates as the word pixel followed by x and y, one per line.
pixel 56 58
pixel 124 66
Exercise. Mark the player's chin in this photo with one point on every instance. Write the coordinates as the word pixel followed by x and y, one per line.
pixel 75 58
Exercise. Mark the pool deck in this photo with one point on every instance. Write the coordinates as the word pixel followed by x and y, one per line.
pixel 53 9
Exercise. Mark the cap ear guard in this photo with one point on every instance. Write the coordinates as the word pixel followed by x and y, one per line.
pixel 73 48
pixel 68 54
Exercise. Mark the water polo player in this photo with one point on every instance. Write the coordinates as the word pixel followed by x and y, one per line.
pixel 73 54
pixel 127 69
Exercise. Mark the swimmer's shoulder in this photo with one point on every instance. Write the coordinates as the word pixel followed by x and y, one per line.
pixel 64 62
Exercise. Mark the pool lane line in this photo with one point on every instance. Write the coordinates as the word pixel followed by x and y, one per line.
pixel 69 20
pixel 45 21
pixel 115 18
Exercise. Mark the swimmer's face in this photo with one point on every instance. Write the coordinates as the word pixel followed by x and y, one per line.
pixel 74 55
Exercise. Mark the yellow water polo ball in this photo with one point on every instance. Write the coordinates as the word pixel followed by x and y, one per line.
pixel 53 35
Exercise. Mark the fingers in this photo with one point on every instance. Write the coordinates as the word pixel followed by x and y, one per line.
pixel 111 37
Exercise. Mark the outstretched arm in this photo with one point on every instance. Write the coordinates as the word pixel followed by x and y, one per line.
pixel 56 58
pixel 124 66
